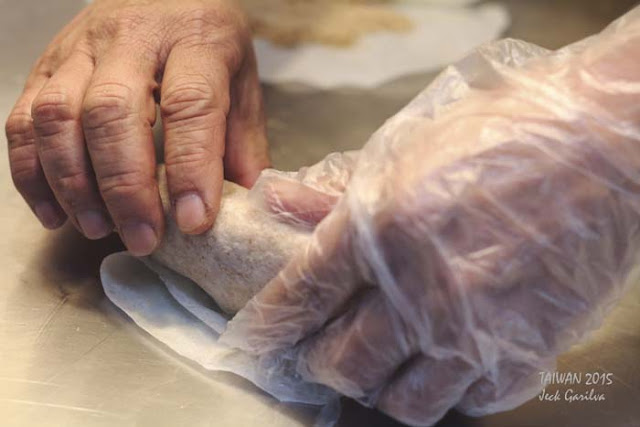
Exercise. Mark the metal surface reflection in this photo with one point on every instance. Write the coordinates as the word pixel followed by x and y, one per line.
pixel 70 358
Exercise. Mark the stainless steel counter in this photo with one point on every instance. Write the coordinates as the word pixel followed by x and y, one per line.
pixel 69 358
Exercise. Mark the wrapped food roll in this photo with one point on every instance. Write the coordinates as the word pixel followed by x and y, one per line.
pixel 244 250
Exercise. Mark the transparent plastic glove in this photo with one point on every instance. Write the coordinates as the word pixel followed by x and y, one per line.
pixel 305 197
pixel 483 230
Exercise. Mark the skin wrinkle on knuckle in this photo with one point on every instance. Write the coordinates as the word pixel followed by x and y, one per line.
pixel 107 111
pixel 55 151
pixel 108 139
pixel 69 185
pixel 186 98
pixel 185 114
pixel 51 112
pixel 193 155
pixel 18 129
pixel 190 128
pixel 122 186
pixel 108 94
pixel 23 153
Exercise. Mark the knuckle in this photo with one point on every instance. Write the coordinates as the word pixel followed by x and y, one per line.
pixel 18 127
pixel 123 185
pixel 50 111
pixel 187 97
pixel 71 186
pixel 188 157
pixel 107 106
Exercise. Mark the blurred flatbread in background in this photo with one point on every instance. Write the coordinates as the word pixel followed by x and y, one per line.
pixel 328 22
pixel 440 33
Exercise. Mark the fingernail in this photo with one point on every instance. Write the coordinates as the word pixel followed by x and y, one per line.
pixel 94 224
pixel 190 212
pixel 48 215
pixel 139 238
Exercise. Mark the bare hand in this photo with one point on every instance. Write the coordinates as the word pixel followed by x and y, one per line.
pixel 80 140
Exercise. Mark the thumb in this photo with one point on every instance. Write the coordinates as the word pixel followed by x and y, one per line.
pixel 296 203
pixel 306 197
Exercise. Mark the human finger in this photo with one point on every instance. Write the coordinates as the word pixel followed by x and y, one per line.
pixel 296 203
pixel 306 197
pixel 247 150
pixel 357 353
pixel 427 387
pixel 118 113
pixel 26 170
pixel 194 104
pixel 509 384
pixel 57 114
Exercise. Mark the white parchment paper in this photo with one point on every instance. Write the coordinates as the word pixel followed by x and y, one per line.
pixel 175 311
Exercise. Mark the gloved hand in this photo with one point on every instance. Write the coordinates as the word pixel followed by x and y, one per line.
pixel 483 230
pixel 80 139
